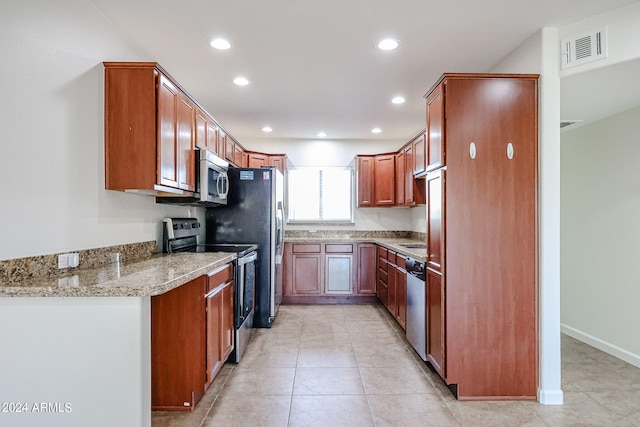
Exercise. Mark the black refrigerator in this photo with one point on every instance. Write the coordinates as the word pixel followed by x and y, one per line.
pixel 255 214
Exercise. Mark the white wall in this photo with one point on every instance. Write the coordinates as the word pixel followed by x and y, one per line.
pixel 623 32
pixel 600 229
pixel 52 154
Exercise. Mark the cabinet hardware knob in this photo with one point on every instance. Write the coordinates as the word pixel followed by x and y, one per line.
pixel 130 129
pixel 510 151
pixel 472 150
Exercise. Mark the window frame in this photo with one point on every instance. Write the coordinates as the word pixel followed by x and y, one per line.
pixel 349 221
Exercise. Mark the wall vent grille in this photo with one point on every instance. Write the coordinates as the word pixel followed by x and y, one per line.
pixel 584 48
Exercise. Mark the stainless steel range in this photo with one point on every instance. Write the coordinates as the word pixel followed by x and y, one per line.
pixel 181 235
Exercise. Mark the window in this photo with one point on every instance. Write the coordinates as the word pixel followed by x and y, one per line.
pixel 320 195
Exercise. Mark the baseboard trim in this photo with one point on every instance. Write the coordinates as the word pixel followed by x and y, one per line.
pixel 605 346
pixel 550 397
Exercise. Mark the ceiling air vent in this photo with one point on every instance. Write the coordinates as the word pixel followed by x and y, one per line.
pixel 583 48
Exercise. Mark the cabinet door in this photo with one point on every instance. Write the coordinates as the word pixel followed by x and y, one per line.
pixel 384 180
pixel 407 176
pixel 400 179
pixel 227 320
pixel 401 293
pixel 178 346
pixel 435 129
pixel 436 321
pixel 338 274
pixel 238 154
pixel 279 162
pixel 167 148
pixel 365 181
pixel 201 130
pixel 222 143
pixel 366 269
pixel 257 160
pixel 307 274
pixel 419 154
pixel 184 143
pixel 215 348
pixel 392 291
pixel 212 136
pixel 435 220
pixel 229 149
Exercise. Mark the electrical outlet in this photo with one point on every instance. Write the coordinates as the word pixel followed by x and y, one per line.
pixel 68 260
pixel 63 261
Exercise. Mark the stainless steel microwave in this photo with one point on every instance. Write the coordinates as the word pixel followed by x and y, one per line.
pixel 212 183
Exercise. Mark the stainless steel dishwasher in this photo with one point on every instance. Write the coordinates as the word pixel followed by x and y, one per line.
pixel 416 306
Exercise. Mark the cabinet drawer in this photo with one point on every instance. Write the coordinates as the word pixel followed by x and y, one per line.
pixel 382 252
pixel 401 261
pixel 219 277
pixel 392 257
pixel 335 248
pixel 383 276
pixel 306 248
pixel 383 265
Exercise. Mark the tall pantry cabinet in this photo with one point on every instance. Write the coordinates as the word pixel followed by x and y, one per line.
pixel 482 287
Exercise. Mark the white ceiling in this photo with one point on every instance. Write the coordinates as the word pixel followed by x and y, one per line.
pixel 314 65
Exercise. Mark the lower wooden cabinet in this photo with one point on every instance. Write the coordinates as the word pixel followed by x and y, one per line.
pixel 191 338
pixel 178 347
pixel 392 284
pixel 328 272
pixel 219 301
pixel 436 321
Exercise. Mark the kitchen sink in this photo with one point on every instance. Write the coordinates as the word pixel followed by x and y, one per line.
pixel 414 245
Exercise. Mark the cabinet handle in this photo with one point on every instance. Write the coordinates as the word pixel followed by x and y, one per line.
pixel 510 151
pixel 472 150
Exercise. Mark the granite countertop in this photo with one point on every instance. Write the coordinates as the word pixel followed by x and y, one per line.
pixel 389 243
pixel 146 277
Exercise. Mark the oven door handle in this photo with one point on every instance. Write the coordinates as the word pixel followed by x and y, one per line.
pixel 247 259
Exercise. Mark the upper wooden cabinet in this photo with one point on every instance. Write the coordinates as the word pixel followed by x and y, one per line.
pixel 384 180
pixel 364 175
pixel 257 160
pixel 435 128
pixel 419 153
pixel 150 130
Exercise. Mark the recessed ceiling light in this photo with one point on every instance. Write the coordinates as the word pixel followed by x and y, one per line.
pixel 241 81
pixel 321 135
pixel 266 129
pixel 220 44
pixel 388 44
pixel 376 130
pixel 398 100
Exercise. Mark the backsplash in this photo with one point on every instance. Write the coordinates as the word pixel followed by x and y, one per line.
pixel 354 234
pixel 42 266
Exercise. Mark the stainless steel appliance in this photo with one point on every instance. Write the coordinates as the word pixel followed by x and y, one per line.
pixel 254 214
pixel 212 183
pixel 416 306
pixel 181 235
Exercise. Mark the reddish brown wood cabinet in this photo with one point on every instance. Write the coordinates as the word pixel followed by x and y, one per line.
pixel 366 271
pixel 321 272
pixel 279 161
pixel 150 130
pixel 365 181
pixel 384 180
pixel 392 284
pixel 482 285
pixel 178 347
pixel 191 338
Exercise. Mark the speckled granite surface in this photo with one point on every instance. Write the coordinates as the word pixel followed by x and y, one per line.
pixel 394 240
pixel 147 277
pixel 36 268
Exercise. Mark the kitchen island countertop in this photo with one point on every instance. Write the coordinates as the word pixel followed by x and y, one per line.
pixel 145 277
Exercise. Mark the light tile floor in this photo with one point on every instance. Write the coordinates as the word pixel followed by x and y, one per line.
pixel 346 365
